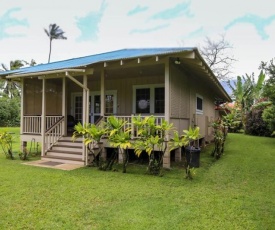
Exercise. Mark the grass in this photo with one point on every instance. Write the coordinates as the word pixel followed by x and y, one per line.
pixel 236 192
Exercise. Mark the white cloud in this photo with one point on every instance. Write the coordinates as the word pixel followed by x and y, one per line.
pixel 114 28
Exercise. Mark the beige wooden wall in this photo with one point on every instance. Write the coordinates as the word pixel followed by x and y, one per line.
pixel 209 113
pixel 184 90
pixel 179 98
pixel 123 86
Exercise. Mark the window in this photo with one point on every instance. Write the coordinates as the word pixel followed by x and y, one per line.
pixel 148 99
pixel 143 100
pixel 159 100
pixel 199 107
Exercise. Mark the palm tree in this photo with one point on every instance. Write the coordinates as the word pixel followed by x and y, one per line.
pixel 9 87
pixel 54 32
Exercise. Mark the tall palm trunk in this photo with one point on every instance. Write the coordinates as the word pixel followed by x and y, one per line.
pixel 50 50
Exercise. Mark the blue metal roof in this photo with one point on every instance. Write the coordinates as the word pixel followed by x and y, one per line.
pixel 92 59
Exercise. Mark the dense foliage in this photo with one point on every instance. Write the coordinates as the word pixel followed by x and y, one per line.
pixel 9 112
pixel 255 125
pixel 250 102
pixel 269 92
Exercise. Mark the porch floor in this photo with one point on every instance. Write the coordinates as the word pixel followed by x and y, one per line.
pixel 53 165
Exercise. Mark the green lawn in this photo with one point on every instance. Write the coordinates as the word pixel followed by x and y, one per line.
pixel 236 192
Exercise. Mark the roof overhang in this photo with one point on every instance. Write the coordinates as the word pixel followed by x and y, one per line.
pixel 43 73
pixel 119 58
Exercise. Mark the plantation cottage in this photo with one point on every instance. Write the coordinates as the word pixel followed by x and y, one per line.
pixel 174 84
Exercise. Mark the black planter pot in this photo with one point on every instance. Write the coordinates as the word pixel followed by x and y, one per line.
pixel 193 156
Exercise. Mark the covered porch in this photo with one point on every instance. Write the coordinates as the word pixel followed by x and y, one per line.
pixel 87 95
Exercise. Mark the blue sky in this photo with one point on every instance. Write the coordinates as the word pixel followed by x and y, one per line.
pixel 105 25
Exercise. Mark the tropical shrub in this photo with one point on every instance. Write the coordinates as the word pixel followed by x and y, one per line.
pixel 119 137
pixel 6 144
pixel 152 140
pixel 255 125
pixel 269 117
pixel 220 133
pixel 92 135
pixel 187 138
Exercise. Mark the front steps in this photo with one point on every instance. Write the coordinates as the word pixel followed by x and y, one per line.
pixel 66 151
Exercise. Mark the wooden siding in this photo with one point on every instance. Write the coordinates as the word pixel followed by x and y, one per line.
pixel 180 94
pixel 123 86
pixel 209 114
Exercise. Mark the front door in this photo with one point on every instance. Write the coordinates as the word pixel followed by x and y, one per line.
pixel 110 105
pixel 94 105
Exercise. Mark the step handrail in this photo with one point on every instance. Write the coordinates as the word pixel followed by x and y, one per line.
pixel 54 133
pixel 54 124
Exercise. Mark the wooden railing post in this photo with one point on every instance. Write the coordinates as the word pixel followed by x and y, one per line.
pixel 132 127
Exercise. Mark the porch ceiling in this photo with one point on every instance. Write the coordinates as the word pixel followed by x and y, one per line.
pixel 134 71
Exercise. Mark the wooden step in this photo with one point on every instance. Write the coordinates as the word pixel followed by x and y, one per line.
pixel 66 149
pixel 68 138
pixel 69 143
pixel 61 154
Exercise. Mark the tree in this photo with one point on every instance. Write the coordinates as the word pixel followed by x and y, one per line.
pixel 217 56
pixel 269 88
pixel 247 92
pixel 54 32
pixel 9 87
pixel 269 92
pixel 9 112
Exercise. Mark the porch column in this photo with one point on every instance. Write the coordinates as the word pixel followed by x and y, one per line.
pixel 64 105
pixel 23 143
pixel 166 157
pixel 22 107
pixel 102 93
pixel 84 114
pixel 84 107
pixel 43 117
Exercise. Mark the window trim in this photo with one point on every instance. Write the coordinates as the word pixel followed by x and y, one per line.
pixel 152 96
pixel 199 111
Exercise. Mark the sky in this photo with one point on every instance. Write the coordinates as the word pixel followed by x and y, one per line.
pixel 96 26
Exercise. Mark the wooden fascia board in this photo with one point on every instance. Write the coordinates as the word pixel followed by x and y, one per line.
pixel 133 62
pixel 43 73
pixel 184 55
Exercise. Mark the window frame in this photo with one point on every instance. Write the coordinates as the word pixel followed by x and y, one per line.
pixel 152 96
pixel 199 111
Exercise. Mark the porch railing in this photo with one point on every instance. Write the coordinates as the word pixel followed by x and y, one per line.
pixel 130 124
pixel 54 133
pixel 32 124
